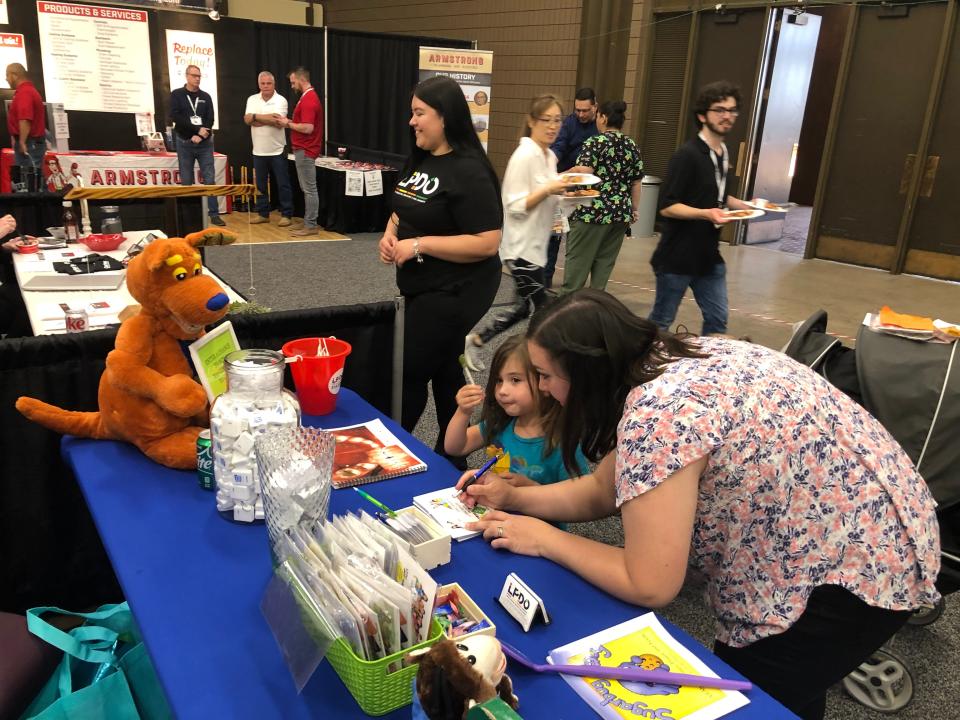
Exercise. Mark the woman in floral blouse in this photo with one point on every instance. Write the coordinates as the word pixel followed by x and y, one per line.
pixel 814 531
pixel 597 230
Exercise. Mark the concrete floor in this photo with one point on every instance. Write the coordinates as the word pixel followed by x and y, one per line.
pixel 769 290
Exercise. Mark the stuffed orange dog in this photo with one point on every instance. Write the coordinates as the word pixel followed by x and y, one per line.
pixel 147 394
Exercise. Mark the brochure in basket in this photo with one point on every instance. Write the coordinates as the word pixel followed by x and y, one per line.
pixel 645 644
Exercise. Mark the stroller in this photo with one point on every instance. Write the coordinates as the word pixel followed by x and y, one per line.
pixel 913 389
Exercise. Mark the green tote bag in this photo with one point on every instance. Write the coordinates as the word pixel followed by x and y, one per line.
pixel 105 673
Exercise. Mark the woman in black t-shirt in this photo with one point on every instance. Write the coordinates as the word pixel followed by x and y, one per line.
pixel 443 237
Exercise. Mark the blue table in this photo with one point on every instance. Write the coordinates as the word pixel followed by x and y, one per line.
pixel 194 582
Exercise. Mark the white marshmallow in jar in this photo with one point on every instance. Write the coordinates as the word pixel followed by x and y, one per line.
pixel 255 402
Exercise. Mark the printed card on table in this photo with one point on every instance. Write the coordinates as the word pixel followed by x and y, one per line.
pixel 373 181
pixel 643 643
pixel 353 183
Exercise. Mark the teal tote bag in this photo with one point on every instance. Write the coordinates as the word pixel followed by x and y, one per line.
pixel 105 673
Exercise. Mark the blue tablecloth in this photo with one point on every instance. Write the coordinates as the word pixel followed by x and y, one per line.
pixel 194 582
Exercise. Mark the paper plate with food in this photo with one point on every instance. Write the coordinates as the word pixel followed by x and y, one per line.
pixel 742 214
pixel 766 205
pixel 579 178
pixel 581 195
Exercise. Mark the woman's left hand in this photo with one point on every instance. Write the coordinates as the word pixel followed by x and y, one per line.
pixel 516 533
pixel 402 252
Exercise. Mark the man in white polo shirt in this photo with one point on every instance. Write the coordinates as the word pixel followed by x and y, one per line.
pixel 264 115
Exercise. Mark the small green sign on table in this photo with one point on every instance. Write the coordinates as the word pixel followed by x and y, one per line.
pixel 208 353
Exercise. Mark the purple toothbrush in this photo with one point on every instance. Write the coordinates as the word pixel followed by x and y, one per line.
pixel 646 676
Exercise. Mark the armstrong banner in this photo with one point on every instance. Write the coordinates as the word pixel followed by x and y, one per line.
pixel 115 169
pixel 473 69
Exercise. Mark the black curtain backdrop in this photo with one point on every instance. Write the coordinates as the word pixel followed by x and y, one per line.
pixel 281 48
pixel 236 79
pixel 371 78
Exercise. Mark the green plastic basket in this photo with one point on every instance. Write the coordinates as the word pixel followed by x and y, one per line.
pixel 377 691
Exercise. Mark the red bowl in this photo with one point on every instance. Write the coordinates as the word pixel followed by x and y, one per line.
pixel 27 249
pixel 103 243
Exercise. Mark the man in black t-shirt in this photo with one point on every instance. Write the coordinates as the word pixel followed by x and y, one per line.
pixel 693 193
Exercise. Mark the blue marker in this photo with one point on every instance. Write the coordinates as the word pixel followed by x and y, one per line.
pixel 479 473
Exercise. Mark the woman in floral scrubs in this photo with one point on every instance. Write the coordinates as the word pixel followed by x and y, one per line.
pixel 815 532
pixel 597 230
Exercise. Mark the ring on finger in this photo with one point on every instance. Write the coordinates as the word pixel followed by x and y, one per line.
pixel 500 531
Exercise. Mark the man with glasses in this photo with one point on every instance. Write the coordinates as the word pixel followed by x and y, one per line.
pixel 577 127
pixel 191 110
pixel 693 193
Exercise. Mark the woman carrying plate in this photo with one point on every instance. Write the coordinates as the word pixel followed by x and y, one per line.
pixel 815 533
pixel 530 189
pixel 443 237
pixel 597 230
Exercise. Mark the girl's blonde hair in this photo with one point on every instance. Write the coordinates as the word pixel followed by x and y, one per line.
pixel 494 419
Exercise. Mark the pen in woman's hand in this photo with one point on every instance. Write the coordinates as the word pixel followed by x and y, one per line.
pixel 479 473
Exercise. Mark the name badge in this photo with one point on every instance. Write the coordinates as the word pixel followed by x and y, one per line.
pixel 523 604
pixel 195 120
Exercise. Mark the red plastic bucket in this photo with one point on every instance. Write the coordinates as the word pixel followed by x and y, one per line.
pixel 317 377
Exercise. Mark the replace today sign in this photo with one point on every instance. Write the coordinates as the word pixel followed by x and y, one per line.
pixel 193 48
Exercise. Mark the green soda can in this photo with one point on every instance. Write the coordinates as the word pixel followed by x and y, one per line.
pixel 205 461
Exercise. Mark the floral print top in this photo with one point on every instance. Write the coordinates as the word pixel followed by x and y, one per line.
pixel 615 159
pixel 802 487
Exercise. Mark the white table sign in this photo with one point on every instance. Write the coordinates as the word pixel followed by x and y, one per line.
pixel 353 184
pixel 373 181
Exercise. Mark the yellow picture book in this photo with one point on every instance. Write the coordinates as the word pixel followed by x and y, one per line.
pixel 643 643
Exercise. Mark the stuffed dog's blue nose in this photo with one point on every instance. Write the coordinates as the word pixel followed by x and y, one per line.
pixel 217 301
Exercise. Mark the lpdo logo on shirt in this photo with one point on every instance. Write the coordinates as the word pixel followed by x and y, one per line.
pixel 419 186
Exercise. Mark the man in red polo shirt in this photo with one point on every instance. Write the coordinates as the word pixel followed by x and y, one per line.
pixel 306 138
pixel 26 120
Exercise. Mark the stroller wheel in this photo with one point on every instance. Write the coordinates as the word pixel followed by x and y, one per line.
pixel 927 615
pixel 882 682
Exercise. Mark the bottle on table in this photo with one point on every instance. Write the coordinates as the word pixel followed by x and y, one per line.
pixel 71 224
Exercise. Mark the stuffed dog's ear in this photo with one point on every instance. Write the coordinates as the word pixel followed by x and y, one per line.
pixel 154 256
pixel 209 237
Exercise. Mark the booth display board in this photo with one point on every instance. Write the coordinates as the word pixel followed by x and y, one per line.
pixel 12 50
pixel 96 57
pixel 473 69
pixel 193 48
pixel 107 168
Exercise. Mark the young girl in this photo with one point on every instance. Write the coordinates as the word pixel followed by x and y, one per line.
pixel 517 421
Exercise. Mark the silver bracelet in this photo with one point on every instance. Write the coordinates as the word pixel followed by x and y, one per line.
pixel 416 250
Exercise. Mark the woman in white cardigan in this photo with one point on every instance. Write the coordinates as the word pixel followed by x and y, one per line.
pixel 529 191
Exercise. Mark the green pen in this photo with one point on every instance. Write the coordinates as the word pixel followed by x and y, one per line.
pixel 370 498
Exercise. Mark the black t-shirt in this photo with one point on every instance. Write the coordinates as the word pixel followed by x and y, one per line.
pixel 689 247
pixel 450 194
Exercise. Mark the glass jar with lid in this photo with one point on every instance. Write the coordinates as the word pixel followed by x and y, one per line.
pixel 255 402
pixel 110 220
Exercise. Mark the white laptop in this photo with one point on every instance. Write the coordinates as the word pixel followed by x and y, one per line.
pixel 60 281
